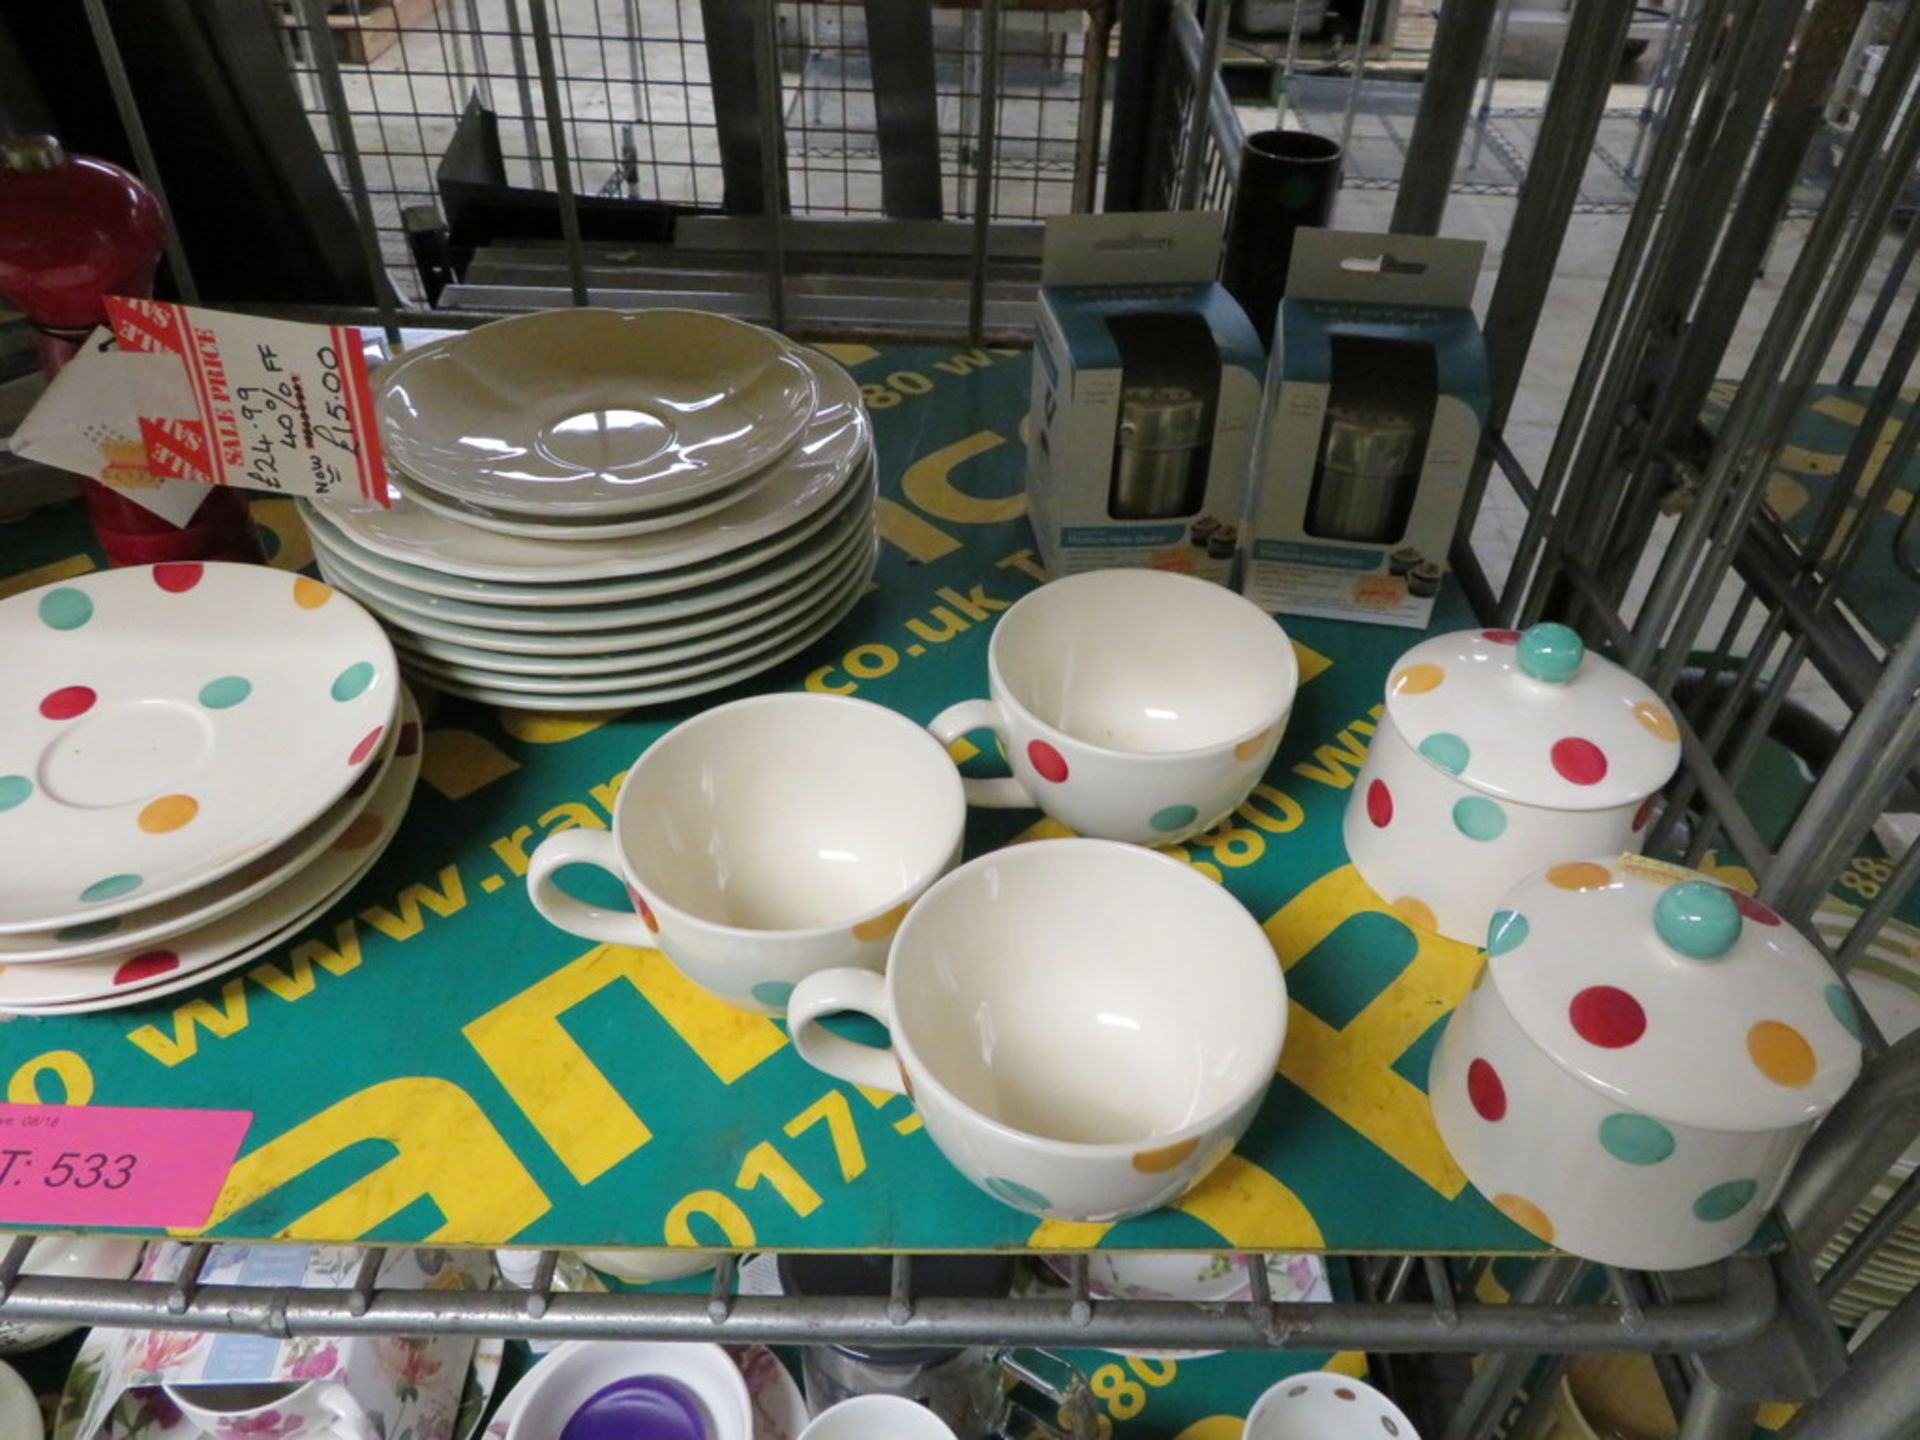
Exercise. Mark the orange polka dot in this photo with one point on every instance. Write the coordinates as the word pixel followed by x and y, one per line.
pixel 1656 721
pixel 880 926
pixel 1416 913
pixel 169 812
pixel 1158 1162
pixel 1527 1215
pixel 359 833
pixel 310 594
pixel 1781 1053
pixel 1580 875
pixel 1247 749
pixel 1417 680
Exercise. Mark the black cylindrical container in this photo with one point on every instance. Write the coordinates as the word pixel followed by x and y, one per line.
pixel 1288 179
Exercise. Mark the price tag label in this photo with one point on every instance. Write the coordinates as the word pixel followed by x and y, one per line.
pixel 81 1165
pixel 266 404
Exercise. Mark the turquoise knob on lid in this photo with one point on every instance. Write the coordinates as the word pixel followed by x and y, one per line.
pixel 1697 918
pixel 1551 652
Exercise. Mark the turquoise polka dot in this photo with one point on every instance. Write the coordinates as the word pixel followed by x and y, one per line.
pixel 353 680
pixel 14 789
pixel 227 691
pixel 1479 818
pixel 1724 1201
pixel 1696 918
pixel 1174 817
pixel 66 608
pixel 1021 1197
pixel 1507 932
pixel 1841 1004
pixel 87 930
pixel 1449 752
pixel 270 541
pixel 773 992
pixel 1636 1139
pixel 1550 652
pixel 111 888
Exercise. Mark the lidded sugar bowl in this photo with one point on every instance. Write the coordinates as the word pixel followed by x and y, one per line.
pixel 1639 1062
pixel 1499 753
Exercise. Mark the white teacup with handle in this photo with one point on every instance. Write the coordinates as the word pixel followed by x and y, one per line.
pixel 767 839
pixel 284 1410
pixel 1085 1027
pixel 1134 705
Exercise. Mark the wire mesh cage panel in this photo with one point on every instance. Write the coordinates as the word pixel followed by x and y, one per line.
pixel 880 107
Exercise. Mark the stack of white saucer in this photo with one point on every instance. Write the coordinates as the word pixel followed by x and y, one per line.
pixel 594 508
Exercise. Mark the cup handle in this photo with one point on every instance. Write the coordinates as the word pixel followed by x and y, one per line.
pixel 338 1402
pixel 827 992
pixel 583 847
pixel 1005 793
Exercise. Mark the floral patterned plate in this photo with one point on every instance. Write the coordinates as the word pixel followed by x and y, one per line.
pixel 149 1415
pixel 779 1411
pixel 1206 1278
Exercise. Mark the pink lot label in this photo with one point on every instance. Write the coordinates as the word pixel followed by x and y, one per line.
pixel 82 1165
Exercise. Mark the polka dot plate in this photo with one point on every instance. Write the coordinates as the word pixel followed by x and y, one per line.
pixel 139 973
pixel 142 929
pixel 163 725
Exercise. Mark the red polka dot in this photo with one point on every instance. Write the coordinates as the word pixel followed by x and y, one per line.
pixel 365 747
pixel 1608 1017
pixel 1501 637
pixel 68 701
pixel 1645 812
pixel 145 966
pixel 1345 1394
pixel 646 911
pixel 1379 805
pixel 409 741
pixel 1484 1089
pixel 178 577
pixel 1579 761
pixel 1751 908
pixel 1047 761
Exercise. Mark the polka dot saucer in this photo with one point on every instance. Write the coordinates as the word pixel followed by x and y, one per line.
pixel 164 725
pixel 138 973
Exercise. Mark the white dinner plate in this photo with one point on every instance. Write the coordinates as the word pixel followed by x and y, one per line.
pixel 593 412
pixel 809 475
pixel 246 933
pixel 777 618
pixel 138 930
pixel 599 704
pixel 588 688
pixel 699 593
pixel 163 725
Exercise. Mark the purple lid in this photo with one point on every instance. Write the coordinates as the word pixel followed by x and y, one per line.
pixel 638 1407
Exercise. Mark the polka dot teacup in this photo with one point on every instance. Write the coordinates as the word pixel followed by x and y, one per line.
pixel 1085 1027
pixel 1135 705
pixel 764 840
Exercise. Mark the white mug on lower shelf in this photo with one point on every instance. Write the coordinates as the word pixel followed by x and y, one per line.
pixel 877 1417
pixel 1085 1027
pixel 284 1410
pixel 1134 705
pixel 1322 1405
pixel 764 840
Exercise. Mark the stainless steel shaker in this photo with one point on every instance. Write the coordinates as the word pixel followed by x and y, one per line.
pixel 1368 472
pixel 1157 470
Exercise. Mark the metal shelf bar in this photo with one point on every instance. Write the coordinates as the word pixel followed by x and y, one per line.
pixel 1742 1308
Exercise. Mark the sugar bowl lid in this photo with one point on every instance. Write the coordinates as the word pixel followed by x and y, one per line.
pixel 1530 716
pixel 1683 998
